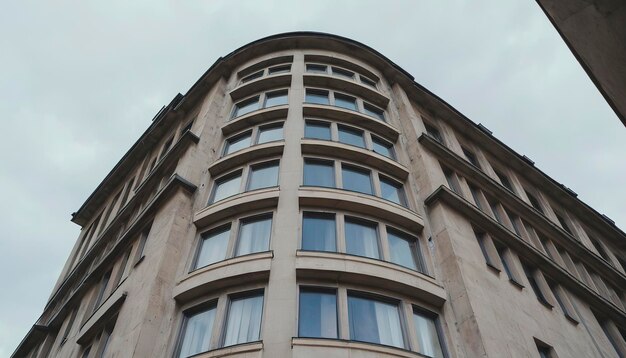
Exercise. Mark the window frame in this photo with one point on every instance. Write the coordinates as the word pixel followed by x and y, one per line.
pixel 363 107
pixel 244 173
pixel 261 100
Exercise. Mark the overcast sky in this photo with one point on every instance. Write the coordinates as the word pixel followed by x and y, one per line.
pixel 80 81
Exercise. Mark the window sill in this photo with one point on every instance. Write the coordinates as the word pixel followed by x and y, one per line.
pixel 253 118
pixel 100 316
pixel 310 346
pixel 516 284
pixel 246 155
pixel 243 348
pixel 237 204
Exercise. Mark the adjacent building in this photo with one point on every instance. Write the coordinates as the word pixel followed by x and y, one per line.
pixel 306 198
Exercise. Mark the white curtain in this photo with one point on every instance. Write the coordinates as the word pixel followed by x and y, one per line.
pixel 254 236
pixel 361 240
pixel 328 323
pixel 427 336
pixel 388 321
pixel 197 336
pixel 213 248
pixel 227 188
pixel 244 320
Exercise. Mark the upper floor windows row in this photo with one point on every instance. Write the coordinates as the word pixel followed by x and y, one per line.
pixel 251 177
pixel 340 72
pixel 269 71
pixel 342 100
pixel 259 101
pixel 257 135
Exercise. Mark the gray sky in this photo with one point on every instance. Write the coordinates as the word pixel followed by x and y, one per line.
pixel 81 81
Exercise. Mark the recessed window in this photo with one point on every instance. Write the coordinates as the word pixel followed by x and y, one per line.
pixel 317 96
pixel 237 143
pixel 317 316
pixel 246 106
pixel 104 282
pixel 319 173
pixel 361 238
pixel 475 196
pixel 226 186
pixel 345 101
pixel 383 147
pixel 534 202
pixel 471 157
pixel 279 69
pixel 374 321
pixel 314 68
pixel 342 73
pixel 317 130
pixel 263 175
pixel 392 191
pixel 243 323
pixel 196 332
pixel 506 265
pixel 373 111
pixel 253 76
pixel 213 247
pixel 254 235
pixel 452 180
pixel 544 350
pixel 270 133
pixel 428 338
pixel 367 81
pixel 505 181
pixel 319 232
pixel 404 251
pixel 276 98
pixel 534 284
pixel 351 136
pixel 433 132
pixel 356 179
pixel 564 224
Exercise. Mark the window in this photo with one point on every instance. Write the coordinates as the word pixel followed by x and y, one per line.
pixel 471 157
pixel 314 68
pixel 563 224
pixel 254 235
pixel 317 130
pixel 263 175
pixel 514 222
pixel 253 76
pixel 196 331
pixel 213 247
pixel 351 136
pixel 356 179
pixel 361 238
pixel 279 69
pixel 314 96
pixel 276 98
pixel 367 81
pixel 319 173
pixel 342 73
pixel 270 133
pixel 392 191
pixel 68 327
pixel 319 232
pixel 530 275
pixel 375 321
pixel 237 143
pixel 143 239
pixel 383 147
pixel 544 350
pixel 243 323
pixel 452 180
pixel 505 181
pixel 506 265
pixel 317 316
pixel 482 243
pixel 373 111
pixel 433 132
pixel 246 106
pixel 345 101
pixel 428 337
pixel 560 295
pixel 405 251
pixel 226 186
pixel 496 212
pixel 534 202
pixel 475 196
pixel 600 249
pixel 187 127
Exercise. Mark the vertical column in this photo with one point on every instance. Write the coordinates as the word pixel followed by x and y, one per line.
pixel 281 296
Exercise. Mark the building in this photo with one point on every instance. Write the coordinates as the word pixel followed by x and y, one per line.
pixel 595 32
pixel 307 198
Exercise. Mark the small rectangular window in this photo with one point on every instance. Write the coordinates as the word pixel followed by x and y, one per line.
pixel 482 243
pixel 375 321
pixel 319 173
pixel 254 235
pixel 246 106
pixel 452 180
pixel 317 130
pixel 263 175
pixel 237 142
pixel 104 282
pixel 344 101
pixel 243 323
pixel 534 284
pixel 314 68
pixel 534 202
pixel 319 232
pixel 544 350
pixel 212 247
pixel 564 224
pixel 475 196
pixel 314 96
pixel 373 111
pixel 404 251
pixel 361 238
pixel 367 81
pixel 317 317
pixel 383 147
pixel 270 133
pixel 279 69
pixel 351 136
pixel 600 250
pixel 392 191
pixel 226 186
pixel 433 132
pixel 471 157
pixel 430 342
pixel 506 265
pixel 356 179
pixel 342 73
pixel 252 76
pixel 504 180
pixel 515 223
pixel 276 98
pixel 196 332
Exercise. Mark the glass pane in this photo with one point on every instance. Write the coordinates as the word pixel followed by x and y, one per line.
pixel 276 98
pixel 317 130
pixel 402 250
pixel 263 176
pixel 374 321
pixel 270 134
pixel 279 69
pixel 361 239
pixel 356 180
pixel 196 337
pixel 373 111
pixel 246 106
pixel 319 232
pixel 427 336
pixel 317 97
pixel 343 73
pixel 213 247
pixel 237 143
pixel 351 136
pixel 346 102
pixel 319 173
pixel 254 236
pixel 226 187
pixel 244 320
pixel 391 191
pixel 367 81
pixel 382 147
pixel 318 314
pixel 253 76
pixel 315 68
